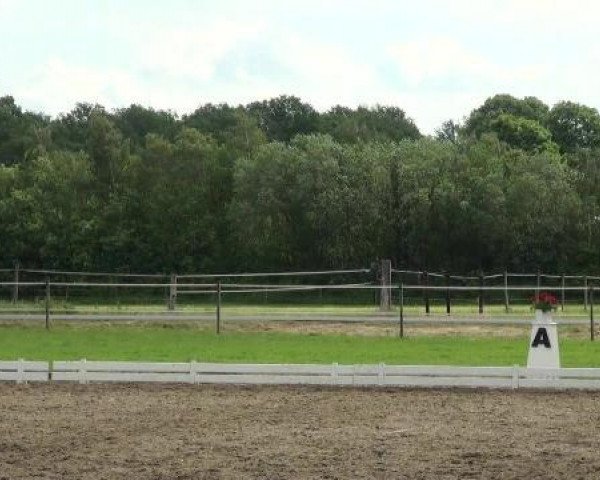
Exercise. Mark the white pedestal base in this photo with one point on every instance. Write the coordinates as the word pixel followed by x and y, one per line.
pixel 543 343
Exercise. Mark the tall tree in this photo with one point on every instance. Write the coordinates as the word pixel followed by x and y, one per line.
pixel 448 131
pixel 174 207
pixel 283 117
pixel 312 203
pixel 53 210
pixel 136 121
pixel 380 123
pixel 233 126
pixel 574 126
pixel 18 131
pixel 108 152
pixel 480 120
pixel 520 132
pixel 70 130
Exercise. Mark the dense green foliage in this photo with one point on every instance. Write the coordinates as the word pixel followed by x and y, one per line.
pixel 276 185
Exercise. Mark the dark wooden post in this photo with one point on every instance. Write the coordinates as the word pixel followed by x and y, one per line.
pixel 538 282
pixel 218 326
pixel 426 291
pixel 15 297
pixel 585 292
pixel 173 292
pixel 401 311
pixel 401 281
pixel 592 332
pixel 113 290
pixel 385 280
pixel 480 293
pixel 47 304
pixel 447 294
pixel 562 292
pixel 506 297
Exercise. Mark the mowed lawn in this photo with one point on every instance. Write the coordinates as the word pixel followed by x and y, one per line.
pixel 152 343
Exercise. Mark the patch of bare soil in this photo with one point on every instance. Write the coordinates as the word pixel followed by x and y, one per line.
pixel 387 329
pixel 327 327
pixel 211 432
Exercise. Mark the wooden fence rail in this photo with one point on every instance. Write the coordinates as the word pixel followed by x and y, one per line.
pixel 177 284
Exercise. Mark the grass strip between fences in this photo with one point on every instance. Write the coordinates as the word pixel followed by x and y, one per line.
pixel 185 344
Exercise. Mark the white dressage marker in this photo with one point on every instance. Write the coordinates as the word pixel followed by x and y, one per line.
pixel 543 344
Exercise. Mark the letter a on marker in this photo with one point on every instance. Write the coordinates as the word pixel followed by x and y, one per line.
pixel 541 338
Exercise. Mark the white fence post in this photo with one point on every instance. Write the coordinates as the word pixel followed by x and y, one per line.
pixel 334 373
pixel 515 377
pixel 20 371
pixel 82 372
pixel 193 372
pixel 381 374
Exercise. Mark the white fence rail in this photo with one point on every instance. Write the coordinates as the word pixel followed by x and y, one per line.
pixel 83 372
pixel 21 371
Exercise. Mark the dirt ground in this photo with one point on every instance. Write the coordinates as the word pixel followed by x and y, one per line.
pixel 381 329
pixel 185 432
pixel 392 330
pixel 341 328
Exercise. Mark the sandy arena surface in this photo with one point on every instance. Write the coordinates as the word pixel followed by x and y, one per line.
pixel 187 432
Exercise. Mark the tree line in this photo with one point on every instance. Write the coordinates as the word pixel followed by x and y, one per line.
pixel 275 185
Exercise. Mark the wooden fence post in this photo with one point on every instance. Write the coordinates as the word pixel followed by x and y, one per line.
pixel 426 291
pixel 506 297
pixel 562 292
pixel 401 311
pixel 585 292
pixel 173 292
pixel 47 304
pixel 480 293
pixel 385 280
pixel 447 294
pixel 592 332
pixel 15 297
pixel 113 290
pixel 538 282
pixel 218 325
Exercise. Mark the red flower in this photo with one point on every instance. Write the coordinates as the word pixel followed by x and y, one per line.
pixel 545 301
pixel 547 297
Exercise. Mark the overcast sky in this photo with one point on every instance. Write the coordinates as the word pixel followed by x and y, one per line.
pixel 435 59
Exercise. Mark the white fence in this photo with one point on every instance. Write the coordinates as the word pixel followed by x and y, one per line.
pixel 21 371
pixel 83 371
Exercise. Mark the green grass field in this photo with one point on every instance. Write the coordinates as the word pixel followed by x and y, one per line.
pixel 155 343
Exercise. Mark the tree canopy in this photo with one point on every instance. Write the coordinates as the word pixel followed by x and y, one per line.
pixel 276 184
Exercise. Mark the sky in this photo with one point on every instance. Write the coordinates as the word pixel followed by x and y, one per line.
pixel 435 59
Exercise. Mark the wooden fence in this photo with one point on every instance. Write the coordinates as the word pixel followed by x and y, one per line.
pixel 381 375
pixel 381 274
